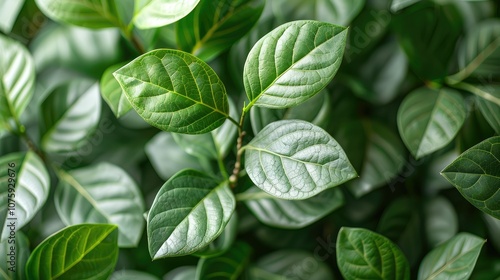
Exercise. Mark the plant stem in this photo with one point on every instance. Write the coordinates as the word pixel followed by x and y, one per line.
pixel 128 33
pixel 237 166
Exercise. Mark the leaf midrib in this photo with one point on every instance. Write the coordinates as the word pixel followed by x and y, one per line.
pixel 451 261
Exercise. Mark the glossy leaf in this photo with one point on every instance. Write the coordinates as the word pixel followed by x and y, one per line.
pixel 223 242
pixel 31 181
pixel 291 213
pixel 112 93
pixel 13 256
pixel 9 10
pixel 363 254
pixel 70 114
pixel 430 119
pixel 213 26
pixel 102 193
pixel 85 13
pixel 226 266
pixel 476 175
pixel 296 160
pixel 441 221
pixel 183 226
pixel 454 259
pixel 157 13
pixel 490 109
pixel 69 252
pixel 282 71
pixel 175 91
pixel 17 79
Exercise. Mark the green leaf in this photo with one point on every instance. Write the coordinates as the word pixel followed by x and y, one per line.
pixel 291 214
pixel 85 13
pixel 13 256
pixel 181 273
pixel 157 13
pixel 132 275
pixel 429 119
pixel 294 159
pixel 70 114
pixel 490 109
pixel 179 227
pixel 17 79
pixel 454 259
pixel 105 194
pixel 397 5
pixel 363 254
pixel 223 242
pixel 200 145
pixel 476 175
pixel 226 266
pixel 493 226
pixel 213 26
pixel 441 221
pixel 9 11
pixel 175 91
pixel 112 93
pixel 27 174
pixel 282 71
pixel 84 251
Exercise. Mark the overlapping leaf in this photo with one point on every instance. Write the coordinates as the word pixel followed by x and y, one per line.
pixel 476 175
pixel 294 159
pixel 68 253
pixel 112 93
pixel 175 91
pixel 441 221
pixel 157 13
pixel 293 62
pixel 489 108
pixel 229 265
pixel 14 253
pixel 9 10
pixel 190 211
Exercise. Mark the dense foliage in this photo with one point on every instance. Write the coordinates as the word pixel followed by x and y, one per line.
pixel 249 139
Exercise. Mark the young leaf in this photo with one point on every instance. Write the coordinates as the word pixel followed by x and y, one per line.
pixel 16 258
pixel 363 254
pixel 68 253
pixel 294 159
pixel 293 62
pixel 429 119
pixel 476 175
pixel 292 214
pixel 17 79
pixel 490 109
pixel 105 194
pixel 190 211
pixel 226 266
pixel 175 91
pixel 454 259
pixel 27 174
pixel 112 93
pixel 70 114
pixel 213 26
pixel 85 13
pixel 157 13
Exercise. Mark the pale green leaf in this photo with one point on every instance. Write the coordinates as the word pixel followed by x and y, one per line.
pixel 112 93
pixel 488 108
pixel 294 159
pixel 441 221
pixel 9 10
pixel 175 91
pixel 132 275
pixel 14 253
pixel 397 5
pixel 181 273
pixel 226 266
pixel 223 242
pixel 190 211
pixel 157 13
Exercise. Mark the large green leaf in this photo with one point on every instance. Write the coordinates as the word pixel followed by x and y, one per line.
pixel 175 91
pixel 70 115
pixel 363 254
pixel 213 26
pixel 226 266
pixel 102 193
pixel 13 256
pixel 85 13
pixel 441 221
pixel 190 211
pixel 112 93
pixel 294 159
pixel 282 70
pixel 223 242
pixel 429 119
pixel 490 109
pixel 454 259
pixel 24 188
pixel 9 10
pixel 17 79
pixel 86 251
pixel 157 13
pixel 476 175
pixel 291 213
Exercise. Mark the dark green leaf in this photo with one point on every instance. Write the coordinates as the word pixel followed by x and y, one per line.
pixel 157 13
pixel 441 221
pixel 112 93
pixel 282 71
pixel 105 194
pixel 70 115
pixel 429 119
pixel 31 182
pixel 476 175
pixel 14 253
pixel 226 266
pixel 84 251
pixel 490 109
pixel 294 159
pixel 190 211
pixel 213 26
pixel 363 254
pixel 175 91
pixel 454 259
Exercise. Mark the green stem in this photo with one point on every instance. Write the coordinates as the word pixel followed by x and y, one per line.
pixel 252 196
pixel 477 91
pixel 128 33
